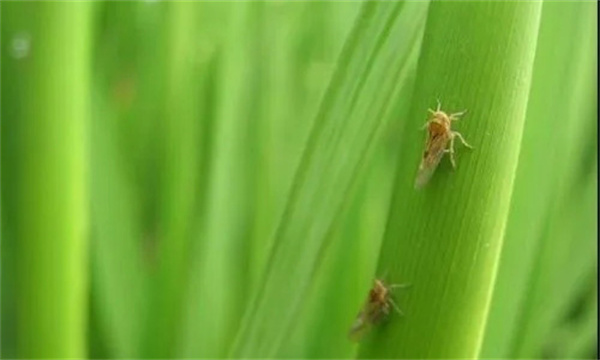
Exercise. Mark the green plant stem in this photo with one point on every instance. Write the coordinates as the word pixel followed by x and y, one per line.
pixel 445 239
pixel 52 208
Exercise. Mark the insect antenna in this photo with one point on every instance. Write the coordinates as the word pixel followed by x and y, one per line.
pixel 385 275
pixel 456 116
pixel 439 106
pixel 399 286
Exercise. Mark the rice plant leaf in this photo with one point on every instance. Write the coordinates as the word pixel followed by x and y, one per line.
pixel 118 272
pixel 180 148
pixel 219 277
pixel 348 265
pixel 565 264
pixel 123 170
pixel 445 238
pixel 582 335
pixel 558 75
pixel 371 66
pixel 51 52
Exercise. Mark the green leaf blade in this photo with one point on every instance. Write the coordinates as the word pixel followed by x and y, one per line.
pixel 373 64
pixel 445 238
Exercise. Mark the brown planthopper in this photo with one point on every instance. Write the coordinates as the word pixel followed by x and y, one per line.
pixel 440 140
pixel 376 308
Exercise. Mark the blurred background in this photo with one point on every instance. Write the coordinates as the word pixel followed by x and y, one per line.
pixel 149 149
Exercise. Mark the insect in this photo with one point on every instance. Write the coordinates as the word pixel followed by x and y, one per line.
pixel 376 308
pixel 440 140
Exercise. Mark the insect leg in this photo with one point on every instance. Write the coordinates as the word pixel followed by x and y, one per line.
pixel 462 139
pixel 396 307
pixel 451 151
pixel 439 106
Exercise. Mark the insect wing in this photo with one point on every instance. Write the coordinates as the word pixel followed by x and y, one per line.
pixel 426 170
pixel 364 320
pixel 359 328
pixel 434 151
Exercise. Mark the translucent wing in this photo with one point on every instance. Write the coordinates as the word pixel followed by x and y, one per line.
pixel 365 319
pixel 434 151
pixel 359 328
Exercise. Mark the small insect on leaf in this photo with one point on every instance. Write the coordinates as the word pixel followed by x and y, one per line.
pixel 440 140
pixel 376 308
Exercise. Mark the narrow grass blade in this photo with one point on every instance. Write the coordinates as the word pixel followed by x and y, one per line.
pixel 220 275
pixel 12 22
pixel 581 338
pixel 118 272
pixel 179 145
pixel 371 67
pixel 300 44
pixel 566 262
pixel 51 216
pixel 558 70
pixel 445 239
pixel 347 269
pixel 128 93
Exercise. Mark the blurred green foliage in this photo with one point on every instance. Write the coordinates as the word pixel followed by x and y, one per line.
pixel 225 179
